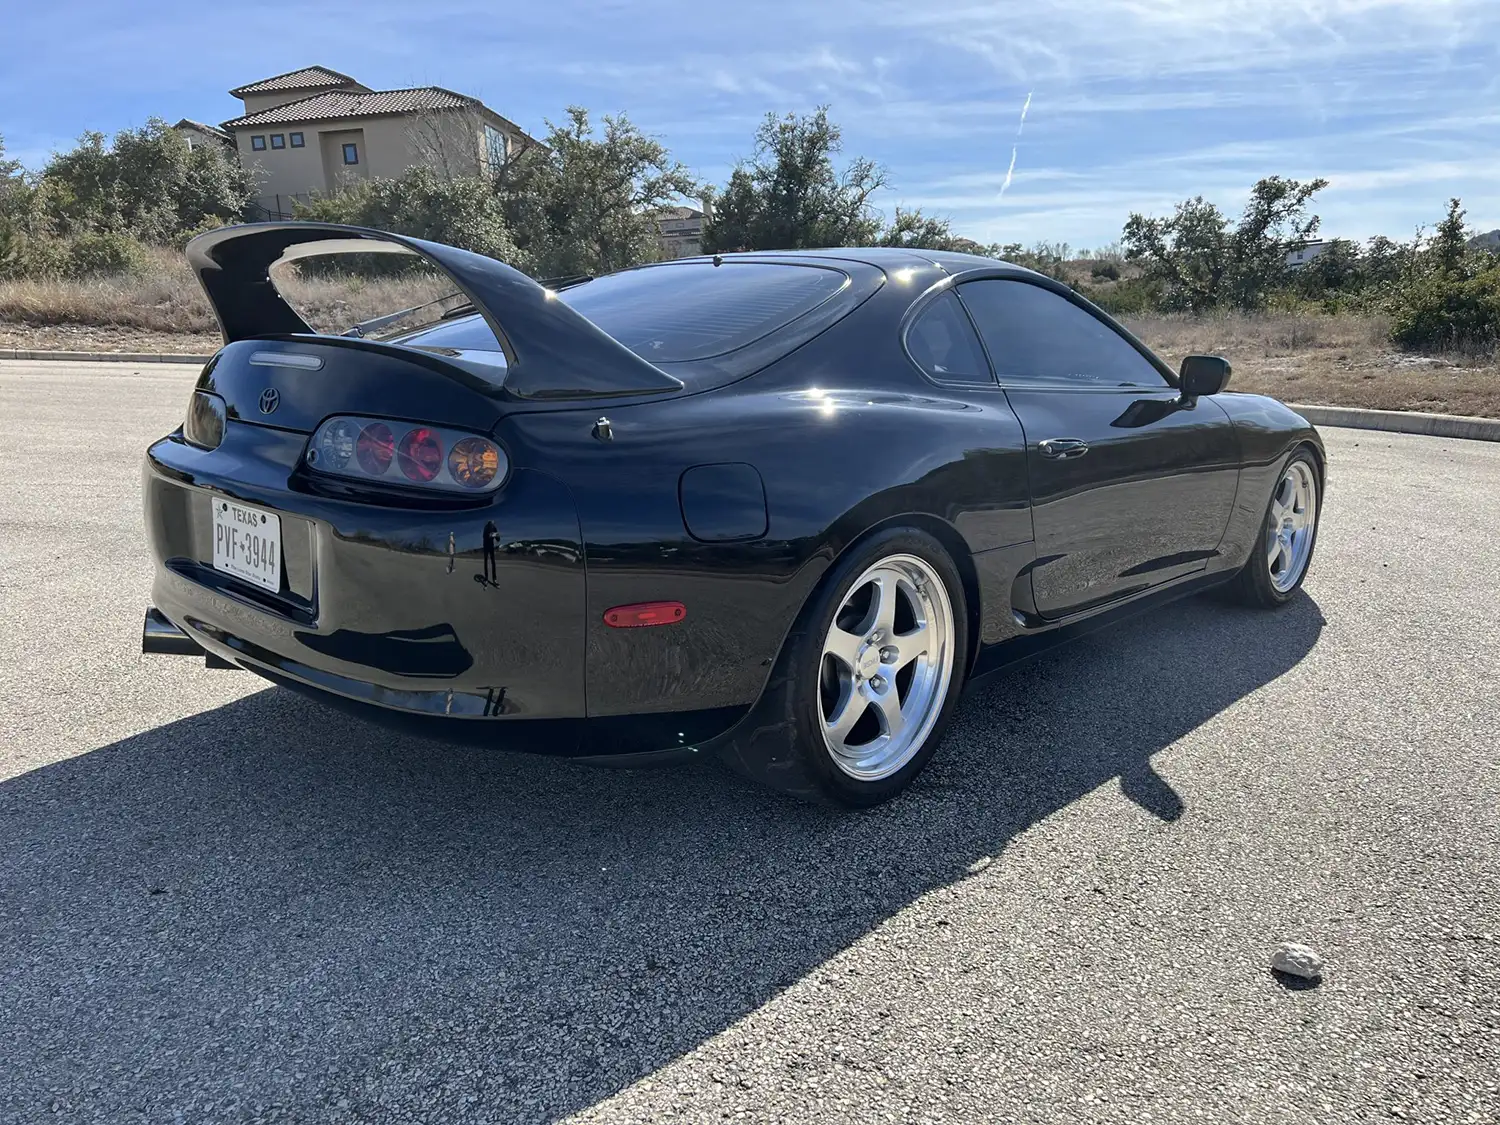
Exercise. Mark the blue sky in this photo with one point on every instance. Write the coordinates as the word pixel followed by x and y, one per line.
pixel 1134 103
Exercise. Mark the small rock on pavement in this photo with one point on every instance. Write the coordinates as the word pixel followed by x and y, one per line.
pixel 1297 960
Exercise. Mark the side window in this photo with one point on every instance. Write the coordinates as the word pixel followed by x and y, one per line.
pixel 943 343
pixel 1035 335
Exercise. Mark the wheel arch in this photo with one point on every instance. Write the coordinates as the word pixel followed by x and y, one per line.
pixel 948 538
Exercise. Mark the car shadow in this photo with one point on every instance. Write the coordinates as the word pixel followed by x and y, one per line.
pixel 273 905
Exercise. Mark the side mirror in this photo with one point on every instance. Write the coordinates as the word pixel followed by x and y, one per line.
pixel 1204 375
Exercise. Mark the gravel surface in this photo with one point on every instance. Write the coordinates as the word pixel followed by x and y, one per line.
pixel 219 902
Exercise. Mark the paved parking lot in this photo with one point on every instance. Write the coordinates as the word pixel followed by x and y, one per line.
pixel 219 902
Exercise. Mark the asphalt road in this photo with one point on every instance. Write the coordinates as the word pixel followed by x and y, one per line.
pixel 221 903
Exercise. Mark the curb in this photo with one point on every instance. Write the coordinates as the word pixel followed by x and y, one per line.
pixel 1350 417
pixel 1402 422
pixel 103 357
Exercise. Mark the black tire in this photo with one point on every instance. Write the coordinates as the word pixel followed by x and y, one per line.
pixel 781 743
pixel 1253 586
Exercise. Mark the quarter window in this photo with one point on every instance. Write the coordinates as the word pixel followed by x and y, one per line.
pixel 296 139
pixel 943 343
pixel 1034 335
pixel 258 143
pixel 351 154
pixel 278 140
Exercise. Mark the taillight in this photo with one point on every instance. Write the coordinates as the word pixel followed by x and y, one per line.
pixel 376 446
pixel 407 453
pixel 204 424
pixel 421 454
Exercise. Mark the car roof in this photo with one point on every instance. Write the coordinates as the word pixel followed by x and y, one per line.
pixel 882 257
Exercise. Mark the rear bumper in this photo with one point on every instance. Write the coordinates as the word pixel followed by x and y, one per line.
pixel 466 624
pixel 628 741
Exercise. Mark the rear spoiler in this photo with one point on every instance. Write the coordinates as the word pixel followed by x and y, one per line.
pixel 551 351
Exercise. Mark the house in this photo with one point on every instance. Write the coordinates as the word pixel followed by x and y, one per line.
pixel 198 134
pixel 309 132
pixel 681 231
pixel 1303 252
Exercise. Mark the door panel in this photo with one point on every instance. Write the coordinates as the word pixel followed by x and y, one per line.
pixel 1130 487
pixel 1146 503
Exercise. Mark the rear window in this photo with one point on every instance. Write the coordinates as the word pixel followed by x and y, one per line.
pixel 682 311
pixel 696 310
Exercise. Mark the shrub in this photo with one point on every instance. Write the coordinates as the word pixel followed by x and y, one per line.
pixel 461 212
pixel 1448 312
pixel 1127 298
pixel 102 253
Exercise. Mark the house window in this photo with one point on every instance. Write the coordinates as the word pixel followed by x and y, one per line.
pixel 296 139
pixel 495 146
pixel 351 154
pixel 278 140
pixel 258 143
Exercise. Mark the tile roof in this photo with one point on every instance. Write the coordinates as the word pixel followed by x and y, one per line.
pixel 308 78
pixel 189 123
pixel 347 103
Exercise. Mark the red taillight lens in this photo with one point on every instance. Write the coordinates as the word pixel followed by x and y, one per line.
pixel 645 613
pixel 420 454
pixel 367 449
pixel 375 448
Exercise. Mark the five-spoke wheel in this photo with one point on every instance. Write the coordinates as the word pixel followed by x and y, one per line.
pixel 887 661
pixel 1276 568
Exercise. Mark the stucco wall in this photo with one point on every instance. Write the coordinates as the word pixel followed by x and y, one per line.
pixel 388 146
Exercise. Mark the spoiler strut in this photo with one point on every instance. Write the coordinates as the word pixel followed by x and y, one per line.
pixel 551 350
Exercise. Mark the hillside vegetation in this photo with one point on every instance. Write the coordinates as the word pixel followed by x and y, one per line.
pixel 90 250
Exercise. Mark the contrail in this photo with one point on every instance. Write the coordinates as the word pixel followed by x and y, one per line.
pixel 1021 128
pixel 1009 172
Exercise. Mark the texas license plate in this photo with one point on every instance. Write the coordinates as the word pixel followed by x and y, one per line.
pixel 247 544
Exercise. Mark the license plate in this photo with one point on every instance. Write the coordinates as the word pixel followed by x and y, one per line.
pixel 247 544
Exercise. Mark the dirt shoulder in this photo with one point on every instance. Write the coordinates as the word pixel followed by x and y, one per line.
pixel 1328 362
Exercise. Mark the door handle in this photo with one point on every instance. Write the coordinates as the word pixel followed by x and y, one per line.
pixel 1061 449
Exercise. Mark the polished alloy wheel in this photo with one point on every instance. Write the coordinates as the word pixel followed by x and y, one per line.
pixel 1291 524
pixel 887 663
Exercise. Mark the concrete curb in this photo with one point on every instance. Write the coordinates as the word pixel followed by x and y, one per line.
pixel 103 357
pixel 1403 422
pixel 1392 421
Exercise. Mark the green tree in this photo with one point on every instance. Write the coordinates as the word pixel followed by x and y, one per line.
pixel 789 195
pixel 1205 261
pixel 1449 297
pixel 918 231
pixel 147 183
pixel 585 202
pixel 462 212
pixel 1450 245
pixel 1386 262
pixel 1340 268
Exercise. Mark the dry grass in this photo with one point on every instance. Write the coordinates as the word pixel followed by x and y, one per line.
pixel 1333 360
pixel 1343 360
pixel 164 302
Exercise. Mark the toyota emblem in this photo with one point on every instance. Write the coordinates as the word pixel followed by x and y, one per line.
pixel 270 399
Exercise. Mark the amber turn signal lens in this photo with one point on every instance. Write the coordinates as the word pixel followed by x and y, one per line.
pixel 474 462
pixel 644 613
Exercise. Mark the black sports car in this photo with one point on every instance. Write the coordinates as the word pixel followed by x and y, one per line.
pixel 776 507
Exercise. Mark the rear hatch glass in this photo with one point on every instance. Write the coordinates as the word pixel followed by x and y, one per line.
pixel 675 312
